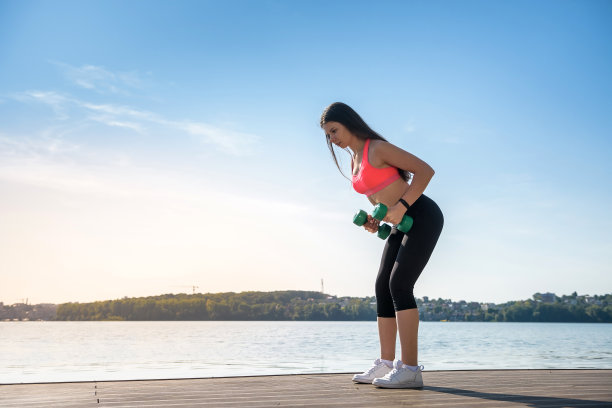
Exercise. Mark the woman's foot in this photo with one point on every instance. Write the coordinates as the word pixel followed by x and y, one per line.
pixel 378 369
pixel 402 376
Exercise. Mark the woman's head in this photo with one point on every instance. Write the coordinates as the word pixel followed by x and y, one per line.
pixel 345 115
pixel 349 124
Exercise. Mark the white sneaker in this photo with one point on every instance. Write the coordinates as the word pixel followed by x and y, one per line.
pixel 401 377
pixel 378 369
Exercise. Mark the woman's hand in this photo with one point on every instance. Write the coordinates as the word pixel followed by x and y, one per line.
pixel 371 224
pixel 395 214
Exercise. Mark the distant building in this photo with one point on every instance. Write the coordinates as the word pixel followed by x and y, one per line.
pixel 548 297
pixel 486 306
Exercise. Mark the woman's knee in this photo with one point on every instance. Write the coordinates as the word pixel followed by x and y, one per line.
pixel 404 303
pixel 381 285
pixel 403 298
pixel 384 301
pixel 385 307
pixel 401 288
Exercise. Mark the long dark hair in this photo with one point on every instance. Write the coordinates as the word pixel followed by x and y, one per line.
pixel 344 114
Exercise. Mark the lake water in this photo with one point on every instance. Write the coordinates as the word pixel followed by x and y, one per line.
pixel 94 351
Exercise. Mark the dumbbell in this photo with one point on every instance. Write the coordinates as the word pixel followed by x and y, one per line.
pixel 380 212
pixel 362 217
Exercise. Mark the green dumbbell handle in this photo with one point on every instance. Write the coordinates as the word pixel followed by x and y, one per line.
pixel 362 217
pixel 380 212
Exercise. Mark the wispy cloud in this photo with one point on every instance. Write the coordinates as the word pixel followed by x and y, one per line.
pixel 48 143
pixel 65 107
pixel 79 110
pixel 228 141
pixel 50 98
pixel 100 79
pixel 110 121
pixel 54 100
pixel 118 110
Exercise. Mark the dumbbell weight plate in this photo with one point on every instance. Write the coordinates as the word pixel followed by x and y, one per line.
pixel 380 211
pixel 406 224
pixel 360 218
pixel 384 230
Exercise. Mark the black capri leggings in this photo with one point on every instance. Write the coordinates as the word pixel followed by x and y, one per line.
pixel 405 257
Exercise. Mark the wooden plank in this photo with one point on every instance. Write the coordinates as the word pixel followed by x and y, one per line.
pixel 478 388
pixel 48 395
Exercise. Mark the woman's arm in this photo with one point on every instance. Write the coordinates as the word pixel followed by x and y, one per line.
pixel 394 156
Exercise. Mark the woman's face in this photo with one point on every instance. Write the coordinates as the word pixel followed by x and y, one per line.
pixel 337 133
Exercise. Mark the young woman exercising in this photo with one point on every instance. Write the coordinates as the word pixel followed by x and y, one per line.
pixel 381 171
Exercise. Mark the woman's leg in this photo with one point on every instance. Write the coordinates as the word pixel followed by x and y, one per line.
pixel 414 253
pixel 408 325
pixel 387 332
pixel 387 325
pixel 411 261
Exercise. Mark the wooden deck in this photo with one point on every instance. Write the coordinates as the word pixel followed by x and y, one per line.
pixel 479 388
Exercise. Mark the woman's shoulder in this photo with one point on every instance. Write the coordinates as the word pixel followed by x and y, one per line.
pixel 376 151
pixel 380 146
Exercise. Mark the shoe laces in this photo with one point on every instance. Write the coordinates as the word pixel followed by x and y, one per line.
pixel 376 364
pixel 389 376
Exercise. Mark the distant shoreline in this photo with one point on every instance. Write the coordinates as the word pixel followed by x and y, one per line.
pixel 311 306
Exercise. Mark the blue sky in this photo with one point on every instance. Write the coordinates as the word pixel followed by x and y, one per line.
pixel 149 146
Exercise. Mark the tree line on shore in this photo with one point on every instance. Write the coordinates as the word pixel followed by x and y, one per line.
pixel 310 305
pixel 279 305
pixel 551 308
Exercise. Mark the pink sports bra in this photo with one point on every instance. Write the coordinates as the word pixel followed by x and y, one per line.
pixel 369 179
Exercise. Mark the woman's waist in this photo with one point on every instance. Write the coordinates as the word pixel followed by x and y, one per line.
pixel 424 205
pixel 391 194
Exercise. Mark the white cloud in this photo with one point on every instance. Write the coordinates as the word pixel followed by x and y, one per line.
pixel 226 140
pixel 50 98
pixel 110 121
pixel 118 110
pixel 48 144
pixel 100 79
pixel 57 102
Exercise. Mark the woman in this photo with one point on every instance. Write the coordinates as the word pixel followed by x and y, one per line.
pixel 381 171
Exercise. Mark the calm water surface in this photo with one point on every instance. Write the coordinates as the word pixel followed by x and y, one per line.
pixel 90 351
